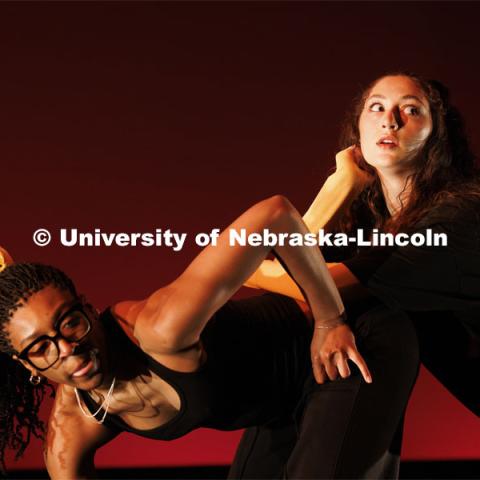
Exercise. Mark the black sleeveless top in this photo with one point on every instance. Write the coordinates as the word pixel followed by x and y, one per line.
pixel 258 359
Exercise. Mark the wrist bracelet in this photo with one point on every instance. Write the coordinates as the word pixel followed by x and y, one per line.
pixel 334 323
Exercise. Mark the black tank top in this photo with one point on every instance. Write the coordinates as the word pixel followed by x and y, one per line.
pixel 258 358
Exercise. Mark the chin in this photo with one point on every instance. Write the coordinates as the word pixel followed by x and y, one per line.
pixel 97 381
pixel 88 383
pixel 386 160
pixel 92 376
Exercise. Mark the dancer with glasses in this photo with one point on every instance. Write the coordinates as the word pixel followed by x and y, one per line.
pixel 179 360
pixel 182 358
pixel 72 326
pixel 186 357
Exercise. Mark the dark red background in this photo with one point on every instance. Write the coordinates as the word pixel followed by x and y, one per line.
pixel 136 116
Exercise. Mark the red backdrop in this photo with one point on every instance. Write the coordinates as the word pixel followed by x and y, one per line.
pixel 136 116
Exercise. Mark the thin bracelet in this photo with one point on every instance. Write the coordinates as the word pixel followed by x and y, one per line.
pixel 335 323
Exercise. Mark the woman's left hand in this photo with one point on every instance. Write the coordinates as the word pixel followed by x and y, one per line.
pixel 330 349
pixel 5 259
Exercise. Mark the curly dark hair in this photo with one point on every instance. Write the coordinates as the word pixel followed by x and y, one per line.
pixel 448 172
pixel 19 399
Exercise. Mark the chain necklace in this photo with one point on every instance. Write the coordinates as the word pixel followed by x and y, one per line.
pixel 105 404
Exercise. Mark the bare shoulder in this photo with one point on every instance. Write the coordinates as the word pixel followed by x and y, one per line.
pixel 136 319
pixel 126 314
pixel 135 315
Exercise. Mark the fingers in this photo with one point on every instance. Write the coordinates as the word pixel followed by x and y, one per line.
pixel 318 370
pixel 357 153
pixel 337 364
pixel 342 365
pixel 331 368
pixel 358 360
pixel 330 352
pixel 345 157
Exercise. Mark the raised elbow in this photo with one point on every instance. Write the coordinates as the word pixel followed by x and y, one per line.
pixel 277 206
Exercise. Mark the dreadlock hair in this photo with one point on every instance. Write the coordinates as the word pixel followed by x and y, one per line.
pixel 19 399
pixel 446 174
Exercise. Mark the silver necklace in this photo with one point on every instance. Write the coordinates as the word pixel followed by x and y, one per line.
pixel 105 404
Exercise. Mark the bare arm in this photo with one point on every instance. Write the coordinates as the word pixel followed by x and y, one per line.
pixel 170 321
pixel 72 439
pixel 337 193
pixel 333 200
pixel 173 317
pixel 331 348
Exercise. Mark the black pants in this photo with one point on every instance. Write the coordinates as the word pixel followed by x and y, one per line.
pixel 346 428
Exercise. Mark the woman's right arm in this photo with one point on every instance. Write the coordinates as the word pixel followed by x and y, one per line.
pixel 72 439
pixel 333 200
pixel 171 320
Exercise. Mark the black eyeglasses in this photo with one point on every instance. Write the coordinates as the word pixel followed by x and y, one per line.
pixel 73 326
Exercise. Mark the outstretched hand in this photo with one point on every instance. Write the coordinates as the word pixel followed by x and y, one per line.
pixel 330 349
